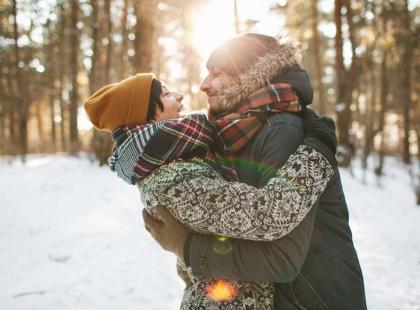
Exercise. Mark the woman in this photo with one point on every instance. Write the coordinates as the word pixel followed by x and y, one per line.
pixel 174 161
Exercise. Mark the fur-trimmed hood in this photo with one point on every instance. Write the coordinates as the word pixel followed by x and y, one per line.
pixel 280 65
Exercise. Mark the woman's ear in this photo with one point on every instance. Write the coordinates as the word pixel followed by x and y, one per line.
pixel 157 115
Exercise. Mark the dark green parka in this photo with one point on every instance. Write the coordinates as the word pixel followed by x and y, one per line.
pixel 316 265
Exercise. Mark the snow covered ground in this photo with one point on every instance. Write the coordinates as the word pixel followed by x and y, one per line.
pixel 71 237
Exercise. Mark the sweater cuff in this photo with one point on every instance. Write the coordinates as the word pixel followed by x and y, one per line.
pixel 322 148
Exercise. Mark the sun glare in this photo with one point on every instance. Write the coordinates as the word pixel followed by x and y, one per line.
pixel 212 25
pixel 214 22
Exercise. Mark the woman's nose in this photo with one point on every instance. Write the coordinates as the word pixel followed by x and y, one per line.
pixel 179 96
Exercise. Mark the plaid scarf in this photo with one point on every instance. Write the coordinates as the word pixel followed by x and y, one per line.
pixel 140 150
pixel 235 129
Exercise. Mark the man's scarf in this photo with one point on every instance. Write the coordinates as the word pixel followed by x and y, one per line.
pixel 234 130
pixel 140 150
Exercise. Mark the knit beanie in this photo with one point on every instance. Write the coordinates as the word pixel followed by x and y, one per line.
pixel 236 55
pixel 121 104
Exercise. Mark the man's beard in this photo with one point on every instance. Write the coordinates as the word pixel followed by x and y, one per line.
pixel 215 110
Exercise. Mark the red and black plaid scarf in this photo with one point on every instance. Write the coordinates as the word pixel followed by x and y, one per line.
pixel 235 129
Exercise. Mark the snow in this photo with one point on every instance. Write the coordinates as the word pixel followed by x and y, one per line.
pixel 386 230
pixel 72 237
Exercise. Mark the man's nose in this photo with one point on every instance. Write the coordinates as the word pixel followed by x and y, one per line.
pixel 205 85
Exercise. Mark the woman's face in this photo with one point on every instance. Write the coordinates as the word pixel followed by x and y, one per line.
pixel 172 105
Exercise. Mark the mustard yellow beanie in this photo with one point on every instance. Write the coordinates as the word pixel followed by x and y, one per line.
pixel 121 104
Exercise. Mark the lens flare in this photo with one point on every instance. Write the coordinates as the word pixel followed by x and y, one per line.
pixel 221 291
pixel 222 245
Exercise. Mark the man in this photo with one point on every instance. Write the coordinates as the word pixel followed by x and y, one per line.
pixel 316 265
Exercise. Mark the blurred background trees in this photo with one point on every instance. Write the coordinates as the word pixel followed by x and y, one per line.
pixel 362 57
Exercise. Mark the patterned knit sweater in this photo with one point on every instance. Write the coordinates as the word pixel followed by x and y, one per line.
pixel 198 196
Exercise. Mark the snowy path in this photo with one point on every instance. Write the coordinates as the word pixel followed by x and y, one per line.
pixel 71 237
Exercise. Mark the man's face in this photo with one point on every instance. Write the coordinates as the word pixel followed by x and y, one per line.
pixel 215 81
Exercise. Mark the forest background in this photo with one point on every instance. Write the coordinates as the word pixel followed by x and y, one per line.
pixel 362 57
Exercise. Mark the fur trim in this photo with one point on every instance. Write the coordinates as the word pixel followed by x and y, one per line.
pixel 267 67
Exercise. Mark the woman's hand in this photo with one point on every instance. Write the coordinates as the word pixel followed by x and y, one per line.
pixel 167 231
pixel 184 275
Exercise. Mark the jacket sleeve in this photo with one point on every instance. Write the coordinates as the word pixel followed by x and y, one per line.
pixel 279 260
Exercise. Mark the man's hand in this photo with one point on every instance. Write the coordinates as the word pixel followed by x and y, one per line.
pixel 167 231
pixel 322 128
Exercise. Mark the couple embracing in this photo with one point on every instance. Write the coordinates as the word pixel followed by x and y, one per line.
pixel 248 198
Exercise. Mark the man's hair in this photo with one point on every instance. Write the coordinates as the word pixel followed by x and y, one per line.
pixel 155 102
pixel 238 54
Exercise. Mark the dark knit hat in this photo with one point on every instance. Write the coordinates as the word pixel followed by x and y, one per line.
pixel 236 55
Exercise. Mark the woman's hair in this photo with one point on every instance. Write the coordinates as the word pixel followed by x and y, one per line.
pixel 155 102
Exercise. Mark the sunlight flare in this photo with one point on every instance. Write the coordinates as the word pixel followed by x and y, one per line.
pixel 213 24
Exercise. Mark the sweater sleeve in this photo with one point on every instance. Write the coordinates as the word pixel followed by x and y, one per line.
pixel 209 204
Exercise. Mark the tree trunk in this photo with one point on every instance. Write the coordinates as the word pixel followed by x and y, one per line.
pixel 74 97
pixel 318 59
pixel 62 43
pixel 417 188
pixel 383 99
pixel 5 102
pixel 144 32
pixel 11 114
pixel 382 113
pixel 51 73
pixel 109 42
pixel 3 114
pixel 342 117
pixel 95 37
pixel 343 121
pixel 102 141
pixel 370 130
pixel 345 82
pixel 123 67
pixel 22 91
pixel 39 121
pixel 405 86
